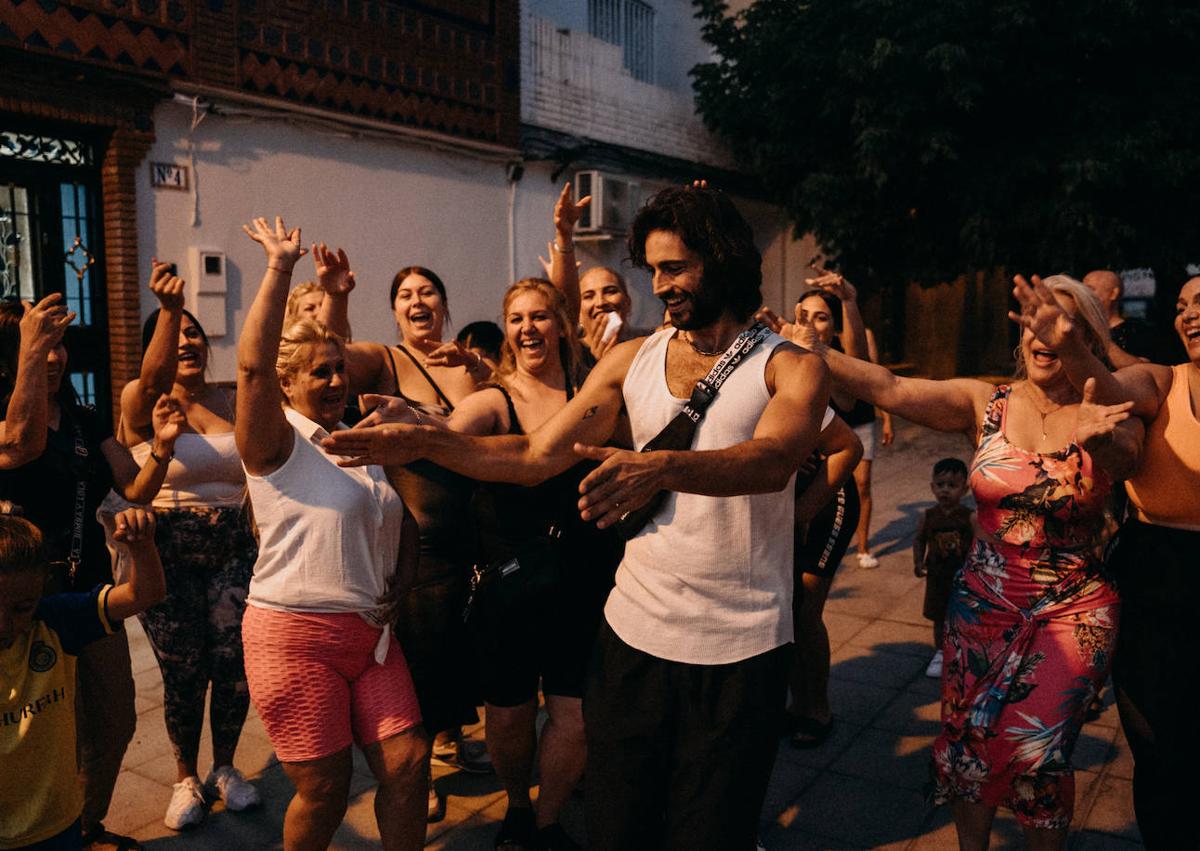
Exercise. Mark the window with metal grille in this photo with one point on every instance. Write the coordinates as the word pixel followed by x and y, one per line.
pixel 629 24
pixel 50 241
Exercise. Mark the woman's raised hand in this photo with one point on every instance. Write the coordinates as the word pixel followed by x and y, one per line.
pixel 771 319
pixel 166 285
pixel 835 285
pixel 1040 312
pixel 1097 423
pixel 43 324
pixel 568 211
pixel 168 420
pixel 333 270
pixel 283 247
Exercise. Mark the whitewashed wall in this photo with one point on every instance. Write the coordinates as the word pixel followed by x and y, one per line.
pixel 387 202
pixel 577 84
pixel 390 204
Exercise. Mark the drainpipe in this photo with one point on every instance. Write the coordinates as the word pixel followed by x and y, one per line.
pixel 514 172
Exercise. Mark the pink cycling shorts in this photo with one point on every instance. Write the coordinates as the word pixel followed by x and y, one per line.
pixel 316 685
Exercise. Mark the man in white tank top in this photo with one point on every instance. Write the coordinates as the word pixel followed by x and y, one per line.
pixel 683 703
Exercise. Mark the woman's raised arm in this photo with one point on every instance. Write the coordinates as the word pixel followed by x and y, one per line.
pixel 23 429
pixel 264 438
pixel 956 404
pixel 161 358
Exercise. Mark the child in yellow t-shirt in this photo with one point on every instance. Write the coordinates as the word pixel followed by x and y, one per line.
pixel 39 639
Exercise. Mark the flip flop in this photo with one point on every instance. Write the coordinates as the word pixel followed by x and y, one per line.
pixel 809 733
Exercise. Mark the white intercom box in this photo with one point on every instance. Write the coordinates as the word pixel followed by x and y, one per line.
pixel 207 288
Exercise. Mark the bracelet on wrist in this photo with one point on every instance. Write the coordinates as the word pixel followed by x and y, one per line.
pixel 158 459
pixel 559 249
pixel 278 269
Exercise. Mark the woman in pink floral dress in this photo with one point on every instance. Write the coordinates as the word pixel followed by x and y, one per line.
pixel 1033 618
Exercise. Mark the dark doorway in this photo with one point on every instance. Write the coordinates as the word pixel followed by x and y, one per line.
pixel 51 241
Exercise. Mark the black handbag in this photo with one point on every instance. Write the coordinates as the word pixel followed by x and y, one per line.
pixel 507 585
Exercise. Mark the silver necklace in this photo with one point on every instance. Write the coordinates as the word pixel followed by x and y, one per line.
pixel 700 351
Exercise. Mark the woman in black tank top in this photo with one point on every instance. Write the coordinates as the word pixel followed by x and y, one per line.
pixel 432 377
pixel 549 641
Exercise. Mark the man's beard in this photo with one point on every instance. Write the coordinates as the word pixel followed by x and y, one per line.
pixel 708 304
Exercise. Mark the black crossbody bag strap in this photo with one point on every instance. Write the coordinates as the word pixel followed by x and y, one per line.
pixel 681 430
pixel 75 558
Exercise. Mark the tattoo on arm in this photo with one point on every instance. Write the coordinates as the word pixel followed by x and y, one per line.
pixel 591 412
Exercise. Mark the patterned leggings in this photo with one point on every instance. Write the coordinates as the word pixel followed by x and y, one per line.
pixel 208 556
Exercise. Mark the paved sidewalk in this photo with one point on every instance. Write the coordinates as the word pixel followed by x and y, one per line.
pixel 862 789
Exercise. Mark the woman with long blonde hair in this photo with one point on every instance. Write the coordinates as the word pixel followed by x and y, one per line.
pixel 549 640
pixel 1032 621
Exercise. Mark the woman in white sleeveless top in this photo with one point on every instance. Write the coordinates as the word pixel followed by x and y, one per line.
pixel 324 671
pixel 207 548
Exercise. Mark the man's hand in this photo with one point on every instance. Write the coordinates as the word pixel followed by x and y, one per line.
pixel 282 246
pixel 134 526
pixel 43 325
pixel 333 270
pixel 1041 313
pixel 391 445
pixel 624 481
pixel 166 286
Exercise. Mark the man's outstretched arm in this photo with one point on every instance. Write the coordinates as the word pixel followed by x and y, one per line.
pixel 590 417
pixel 786 433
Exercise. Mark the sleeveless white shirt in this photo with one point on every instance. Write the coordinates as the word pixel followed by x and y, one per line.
pixel 328 535
pixel 708 581
pixel 206 472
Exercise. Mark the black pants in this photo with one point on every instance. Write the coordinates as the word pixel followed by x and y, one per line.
pixel 1157 664
pixel 679 755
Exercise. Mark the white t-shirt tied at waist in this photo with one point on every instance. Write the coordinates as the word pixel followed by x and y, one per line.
pixel 328 535
pixel 709 580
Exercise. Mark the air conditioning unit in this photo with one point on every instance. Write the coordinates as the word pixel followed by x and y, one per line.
pixel 614 202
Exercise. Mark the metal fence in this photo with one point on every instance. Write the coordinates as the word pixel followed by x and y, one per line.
pixel 630 24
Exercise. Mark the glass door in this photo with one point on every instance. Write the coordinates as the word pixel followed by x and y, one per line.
pixel 50 241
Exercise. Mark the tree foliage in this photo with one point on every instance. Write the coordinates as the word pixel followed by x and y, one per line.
pixel 920 139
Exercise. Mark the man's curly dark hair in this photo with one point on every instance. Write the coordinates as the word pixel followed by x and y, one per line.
pixel 710 225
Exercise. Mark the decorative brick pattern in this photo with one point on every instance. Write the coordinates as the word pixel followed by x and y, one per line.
pixel 386 61
pixel 147 36
pixel 448 66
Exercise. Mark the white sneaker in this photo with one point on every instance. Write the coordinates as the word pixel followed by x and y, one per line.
pixel 867 560
pixel 187 804
pixel 934 670
pixel 232 787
